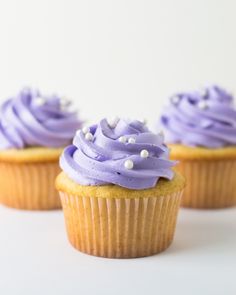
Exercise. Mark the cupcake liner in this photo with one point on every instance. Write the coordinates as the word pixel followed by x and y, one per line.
pixel 120 228
pixel 211 183
pixel 29 186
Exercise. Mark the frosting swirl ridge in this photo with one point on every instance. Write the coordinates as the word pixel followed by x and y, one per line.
pixel 30 119
pixel 202 118
pixel 125 153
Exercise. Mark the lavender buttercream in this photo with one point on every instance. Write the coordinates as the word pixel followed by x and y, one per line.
pixel 203 118
pixel 123 153
pixel 31 119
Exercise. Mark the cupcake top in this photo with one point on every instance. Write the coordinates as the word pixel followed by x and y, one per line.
pixel 32 119
pixel 121 152
pixel 203 118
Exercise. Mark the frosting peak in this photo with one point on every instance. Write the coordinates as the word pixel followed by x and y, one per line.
pixel 124 153
pixel 201 118
pixel 31 119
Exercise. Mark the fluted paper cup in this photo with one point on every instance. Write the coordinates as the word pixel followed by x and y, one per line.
pixel 211 184
pixel 210 174
pixel 126 227
pixel 29 186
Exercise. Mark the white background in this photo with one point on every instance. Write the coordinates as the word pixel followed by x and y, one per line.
pixel 117 57
pixel 120 57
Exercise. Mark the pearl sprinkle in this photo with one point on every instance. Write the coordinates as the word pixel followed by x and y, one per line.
pixel 203 92
pixel 144 121
pixel 40 101
pixel 89 136
pixel 129 164
pixel 85 130
pixel 64 102
pixel 122 139
pixel 202 105
pixel 144 154
pixel 131 140
pixel 112 122
pixel 175 99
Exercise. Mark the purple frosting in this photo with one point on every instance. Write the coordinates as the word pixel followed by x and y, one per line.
pixel 125 153
pixel 31 119
pixel 203 118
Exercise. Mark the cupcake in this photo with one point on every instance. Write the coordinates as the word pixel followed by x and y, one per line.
pixel 34 129
pixel 120 196
pixel 200 128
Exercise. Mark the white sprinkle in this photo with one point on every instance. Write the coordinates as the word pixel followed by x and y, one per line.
pixel 175 99
pixel 122 139
pixel 85 129
pixel 144 121
pixel 64 102
pixel 202 105
pixel 89 136
pixel 129 164
pixel 113 122
pixel 203 92
pixel 144 154
pixel 131 140
pixel 40 101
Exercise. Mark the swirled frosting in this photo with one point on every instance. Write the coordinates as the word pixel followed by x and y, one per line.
pixel 203 118
pixel 125 153
pixel 30 119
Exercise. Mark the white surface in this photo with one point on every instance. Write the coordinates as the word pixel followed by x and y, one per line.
pixel 121 57
pixel 36 258
pixel 116 58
